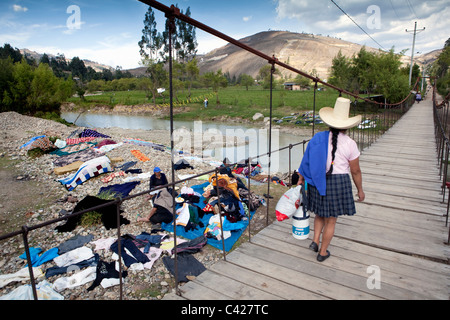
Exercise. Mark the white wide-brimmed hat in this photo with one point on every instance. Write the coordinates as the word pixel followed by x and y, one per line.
pixel 338 117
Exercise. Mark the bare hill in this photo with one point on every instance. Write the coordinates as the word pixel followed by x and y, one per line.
pixel 306 52
pixel 98 67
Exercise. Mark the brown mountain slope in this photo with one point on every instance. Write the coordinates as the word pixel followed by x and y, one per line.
pixel 305 52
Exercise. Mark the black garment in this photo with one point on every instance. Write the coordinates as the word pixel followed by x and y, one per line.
pixel 182 164
pixel 187 266
pixel 120 189
pixel 105 270
pixel 136 171
pixel 155 182
pixel 161 215
pixel 108 213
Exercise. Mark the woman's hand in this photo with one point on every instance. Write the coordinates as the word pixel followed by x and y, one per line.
pixel 301 180
pixel 361 196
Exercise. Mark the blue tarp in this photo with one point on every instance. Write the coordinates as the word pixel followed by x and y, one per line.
pixel 236 228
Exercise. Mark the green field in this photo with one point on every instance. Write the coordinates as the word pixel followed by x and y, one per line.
pixel 234 102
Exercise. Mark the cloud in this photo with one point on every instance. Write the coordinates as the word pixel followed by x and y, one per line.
pixel 18 8
pixel 391 17
pixel 247 19
pixel 126 56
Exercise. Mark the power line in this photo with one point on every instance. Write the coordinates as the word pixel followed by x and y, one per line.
pixel 411 8
pixel 357 25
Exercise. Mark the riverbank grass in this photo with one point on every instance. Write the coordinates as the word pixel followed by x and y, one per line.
pixel 231 102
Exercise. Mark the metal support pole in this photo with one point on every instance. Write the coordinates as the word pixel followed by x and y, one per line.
pixel 314 110
pixel 119 247
pixel 248 199
pixel 171 23
pixel 272 70
pixel 220 214
pixel 30 266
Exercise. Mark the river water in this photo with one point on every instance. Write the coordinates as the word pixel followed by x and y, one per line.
pixel 257 138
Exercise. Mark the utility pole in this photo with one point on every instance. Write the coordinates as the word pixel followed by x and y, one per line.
pixel 412 52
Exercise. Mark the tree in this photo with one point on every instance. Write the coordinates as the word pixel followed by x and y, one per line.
pixel 45 59
pixel 157 77
pixel 371 72
pixel 302 81
pixel 185 39
pixel 342 72
pixel 215 80
pixel 246 80
pixel 440 70
pixel 78 69
pixel 6 74
pixel 59 66
pixel 264 75
pixel 8 51
pixel 151 40
pixel 23 76
pixel 192 72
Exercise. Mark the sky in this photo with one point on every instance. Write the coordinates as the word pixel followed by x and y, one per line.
pixel 108 31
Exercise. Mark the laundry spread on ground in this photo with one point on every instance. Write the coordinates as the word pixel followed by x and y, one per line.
pixel 41 142
pixel 214 209
pixel 139 155
pixel 193 220
pixel 89 169
pixel 144 143
pixel 92 133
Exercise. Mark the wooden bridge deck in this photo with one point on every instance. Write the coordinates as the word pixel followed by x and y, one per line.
pixel 398 234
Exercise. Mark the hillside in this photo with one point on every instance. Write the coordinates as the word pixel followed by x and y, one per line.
pixel 305 52
pixel 98 67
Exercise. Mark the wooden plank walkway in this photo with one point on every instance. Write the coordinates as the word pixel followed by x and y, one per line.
pixel 399 231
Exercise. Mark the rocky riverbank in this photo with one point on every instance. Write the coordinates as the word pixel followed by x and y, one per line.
pixel 31 195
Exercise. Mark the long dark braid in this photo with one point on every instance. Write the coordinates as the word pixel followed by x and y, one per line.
pixel 334 138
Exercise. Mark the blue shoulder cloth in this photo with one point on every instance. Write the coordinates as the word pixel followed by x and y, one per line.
pixel 314 162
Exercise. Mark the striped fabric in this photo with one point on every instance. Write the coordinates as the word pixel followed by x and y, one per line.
pixel 79 140
pixel 92 133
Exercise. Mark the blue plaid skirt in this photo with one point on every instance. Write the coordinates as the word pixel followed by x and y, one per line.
pixel 338 200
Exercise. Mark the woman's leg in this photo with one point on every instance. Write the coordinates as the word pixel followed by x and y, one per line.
pixel 327 234
pixel 318 226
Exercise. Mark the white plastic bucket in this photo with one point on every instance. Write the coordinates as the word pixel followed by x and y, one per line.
pixel 300 224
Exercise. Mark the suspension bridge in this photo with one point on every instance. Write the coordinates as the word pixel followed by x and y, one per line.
pixel 394 248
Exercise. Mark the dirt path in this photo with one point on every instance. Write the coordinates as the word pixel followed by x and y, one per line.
pixel 21 196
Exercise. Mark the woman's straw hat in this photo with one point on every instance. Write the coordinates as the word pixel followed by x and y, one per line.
pixel 338 117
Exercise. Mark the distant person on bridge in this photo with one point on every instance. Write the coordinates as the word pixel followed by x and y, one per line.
pixel 418 97
pixel 329 158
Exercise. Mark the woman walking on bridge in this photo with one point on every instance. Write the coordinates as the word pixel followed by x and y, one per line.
pixel 329 158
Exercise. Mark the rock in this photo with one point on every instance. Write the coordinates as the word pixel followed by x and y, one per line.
pixel 257 116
